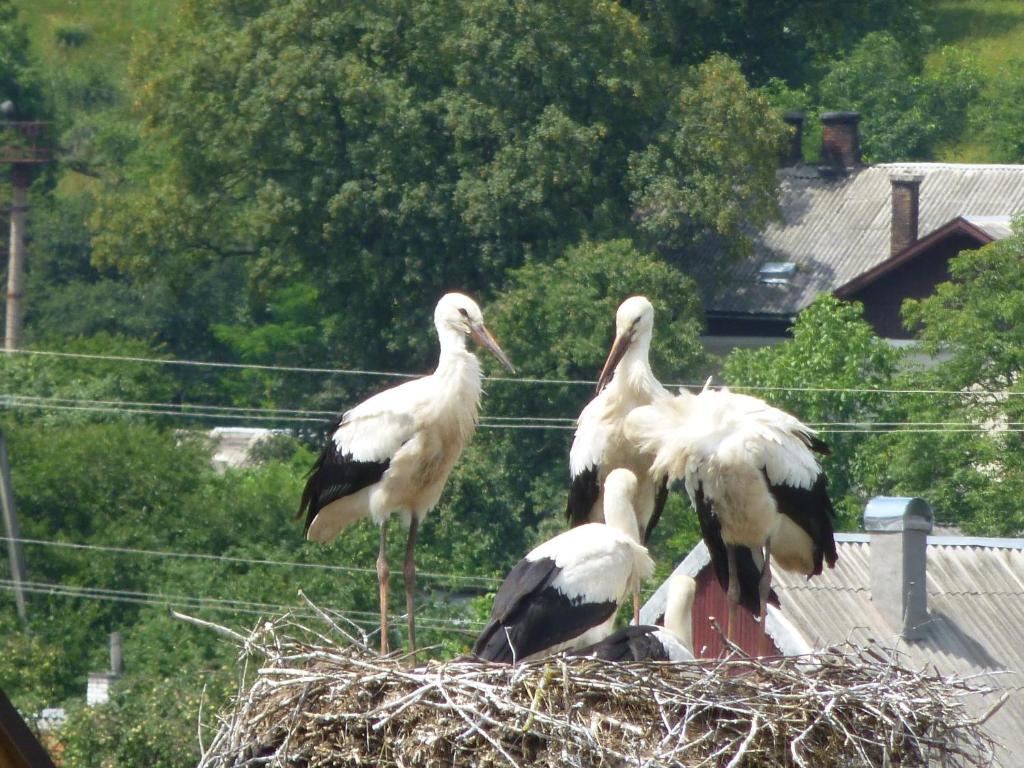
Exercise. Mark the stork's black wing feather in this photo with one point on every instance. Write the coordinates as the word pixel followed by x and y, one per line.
pixel 811 509
pixel 583 495
pixel 632 643
pixel 746 569
pixel 660 498
pixel 529 614
pixel 335 475
pixel 815 444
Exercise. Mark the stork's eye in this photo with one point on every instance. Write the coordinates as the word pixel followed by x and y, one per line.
pixel 464 313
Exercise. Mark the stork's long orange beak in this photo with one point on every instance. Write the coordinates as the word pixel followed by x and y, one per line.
pixel 618 349
pixel 483 337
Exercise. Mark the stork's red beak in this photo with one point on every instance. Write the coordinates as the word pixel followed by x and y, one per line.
pixel 483 337
pixel 618 349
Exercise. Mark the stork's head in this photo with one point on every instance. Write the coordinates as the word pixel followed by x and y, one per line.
pixel 459 314
pixel 619 498
pixel 634 323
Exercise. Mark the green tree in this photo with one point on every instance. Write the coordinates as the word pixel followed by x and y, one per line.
pixel 386 154
pixel 999 115
pixel 964 453
pixel 19 79
pixel 687 194
pixel 788 39
pixel 823 376
pixel 905 112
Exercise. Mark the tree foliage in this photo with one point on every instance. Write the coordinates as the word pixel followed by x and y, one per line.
pixel 999 115
pixel 19 76
pixel 967 465
pixel 400 150
pixel 788 39
pixel 824 375
pixel 906 113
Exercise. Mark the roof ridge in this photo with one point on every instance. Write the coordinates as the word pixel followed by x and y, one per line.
pixel 978 166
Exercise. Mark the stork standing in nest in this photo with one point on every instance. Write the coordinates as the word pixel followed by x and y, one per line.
pixel 752 476
pixel 565 592
pixel 600 446
pixel 394 451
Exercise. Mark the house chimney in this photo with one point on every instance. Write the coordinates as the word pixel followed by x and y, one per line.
pixel 840 144
pixel 905 207
pixel 794 154
pixel 899 528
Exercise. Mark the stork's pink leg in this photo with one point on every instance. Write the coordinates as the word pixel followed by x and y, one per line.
pixel 636 603
pixel 764 586
pixel 383 576
pixel 409 571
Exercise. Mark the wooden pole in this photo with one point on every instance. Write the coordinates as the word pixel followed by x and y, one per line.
pixel 16 259
pixel 13 535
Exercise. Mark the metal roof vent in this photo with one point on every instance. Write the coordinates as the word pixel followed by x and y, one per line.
pixel 776 272
pixel 898 527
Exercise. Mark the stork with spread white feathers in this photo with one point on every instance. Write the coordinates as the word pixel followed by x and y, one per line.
pixel 672 642
pixel 394 451
pixel 564 594
pixel 752 476
pixel 600 446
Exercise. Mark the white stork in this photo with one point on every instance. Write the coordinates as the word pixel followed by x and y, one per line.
pixel 626 382
pixel 393 452
pixel 752 476
pixel 565 592
pixel 673 642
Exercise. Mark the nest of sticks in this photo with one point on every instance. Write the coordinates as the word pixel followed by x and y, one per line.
pixel 322 697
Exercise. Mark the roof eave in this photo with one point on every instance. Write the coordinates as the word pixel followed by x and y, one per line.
pixel 959 225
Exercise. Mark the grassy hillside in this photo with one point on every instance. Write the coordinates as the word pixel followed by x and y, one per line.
pixel 98 30
pixel 993 31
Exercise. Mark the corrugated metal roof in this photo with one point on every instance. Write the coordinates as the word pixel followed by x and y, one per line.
pixel 997 227
pixel 976 608
pixel 975 602
pixel 836 228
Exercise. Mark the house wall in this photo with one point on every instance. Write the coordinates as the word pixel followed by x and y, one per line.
pixel 711 602
pixel 916 279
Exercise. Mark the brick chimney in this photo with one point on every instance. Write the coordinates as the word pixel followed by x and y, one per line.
pixel 906 197
pixel 898 528
pixel 840 143
pixel 793 155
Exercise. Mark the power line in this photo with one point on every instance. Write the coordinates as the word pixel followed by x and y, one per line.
pixel 487 422
pixel 495 379
pixel 484 581
pixel 194 602
pixel 195 409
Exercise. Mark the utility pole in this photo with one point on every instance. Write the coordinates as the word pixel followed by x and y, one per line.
pixel 16 260
pixel 20 147
pixel 13 533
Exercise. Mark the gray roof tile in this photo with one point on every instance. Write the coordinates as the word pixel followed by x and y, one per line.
pixel 837 228
pixel 976 604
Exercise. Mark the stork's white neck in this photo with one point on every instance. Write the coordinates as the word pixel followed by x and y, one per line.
pixel 633 373
pixel 619 514
pixel 678 609
pixel 459 373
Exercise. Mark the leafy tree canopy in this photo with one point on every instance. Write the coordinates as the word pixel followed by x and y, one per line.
pixel 789 39
pixel 400 150
pixel 834 348
pixel 905 112
pixel 19 79
pixel 999 115
pixel 963 452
